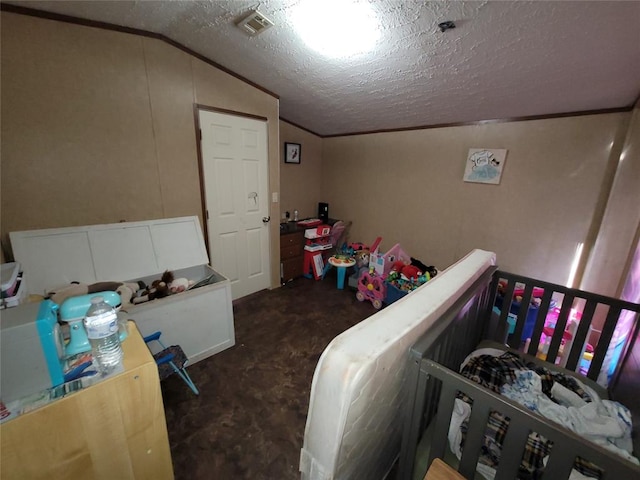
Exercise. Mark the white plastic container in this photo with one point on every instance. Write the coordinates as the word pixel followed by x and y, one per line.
pixel 19 297
pixel 14 288
pixel 10 272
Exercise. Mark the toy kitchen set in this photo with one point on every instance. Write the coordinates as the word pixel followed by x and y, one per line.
pixel 33 354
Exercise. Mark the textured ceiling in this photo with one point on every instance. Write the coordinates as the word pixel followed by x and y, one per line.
pixel 503 60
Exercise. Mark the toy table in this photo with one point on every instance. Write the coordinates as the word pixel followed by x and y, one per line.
pixel 341 264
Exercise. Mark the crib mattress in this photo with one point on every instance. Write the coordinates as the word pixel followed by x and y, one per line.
pixel 354 422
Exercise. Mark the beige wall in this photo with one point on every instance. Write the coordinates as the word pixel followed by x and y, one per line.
pixel 618 235
pixel 98 127
pixel 300 184
pixel 407 187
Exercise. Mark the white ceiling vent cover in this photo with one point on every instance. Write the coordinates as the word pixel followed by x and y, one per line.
pixel 255 23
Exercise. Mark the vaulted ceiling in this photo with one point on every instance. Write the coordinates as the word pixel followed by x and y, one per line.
pixel 504 59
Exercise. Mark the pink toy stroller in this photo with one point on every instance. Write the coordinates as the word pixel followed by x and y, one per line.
pixel 371 287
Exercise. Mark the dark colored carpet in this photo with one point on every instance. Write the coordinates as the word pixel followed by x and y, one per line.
pixel 249 419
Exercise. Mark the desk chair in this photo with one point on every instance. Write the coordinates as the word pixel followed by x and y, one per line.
pixel 171 360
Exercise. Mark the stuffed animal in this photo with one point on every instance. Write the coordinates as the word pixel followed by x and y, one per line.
pixel 410 272
pixel 158 289
pixel 362 258
pixel 126 290
pixel 431 270
pixel 180 285
pixel 397 266
pixel 404 271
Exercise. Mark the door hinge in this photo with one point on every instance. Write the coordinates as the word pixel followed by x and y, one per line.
pixel 207 214
pixel 199 135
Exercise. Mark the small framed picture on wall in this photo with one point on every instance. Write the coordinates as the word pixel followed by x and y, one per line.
pixel 485 165
pixel 292 152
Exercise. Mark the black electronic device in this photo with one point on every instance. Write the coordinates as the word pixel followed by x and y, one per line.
pixel 323 212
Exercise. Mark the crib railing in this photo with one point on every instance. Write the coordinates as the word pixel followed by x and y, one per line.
pixel 454 335
pixel 566 445
pixel 470 320
pixel 576 311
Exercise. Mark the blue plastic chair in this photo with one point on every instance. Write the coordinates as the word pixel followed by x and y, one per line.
pixel 171 360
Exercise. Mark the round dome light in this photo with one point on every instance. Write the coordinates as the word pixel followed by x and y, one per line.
pixel 337 28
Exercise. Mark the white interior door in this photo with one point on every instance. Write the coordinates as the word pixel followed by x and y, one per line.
pixel 234 157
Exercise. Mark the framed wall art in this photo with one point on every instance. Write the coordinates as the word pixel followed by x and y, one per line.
pixel 485 165
pixel 292 152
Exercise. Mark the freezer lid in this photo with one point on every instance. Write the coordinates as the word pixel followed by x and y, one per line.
pixel 55 257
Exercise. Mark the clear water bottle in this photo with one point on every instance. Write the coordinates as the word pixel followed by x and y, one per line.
pixel 101 323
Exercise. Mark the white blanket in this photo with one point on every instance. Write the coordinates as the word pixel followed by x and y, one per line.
pixel 604 422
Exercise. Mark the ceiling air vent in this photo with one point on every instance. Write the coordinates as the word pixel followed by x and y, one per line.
pixel 255 23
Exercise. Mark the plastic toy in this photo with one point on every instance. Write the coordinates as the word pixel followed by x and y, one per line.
pixel 371 287
pixel 357 246
pixel 382 263
pixel 317 242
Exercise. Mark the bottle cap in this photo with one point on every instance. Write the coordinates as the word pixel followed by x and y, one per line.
pixel 98 299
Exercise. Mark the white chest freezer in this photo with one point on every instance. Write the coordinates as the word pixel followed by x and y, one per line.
pixel 200 320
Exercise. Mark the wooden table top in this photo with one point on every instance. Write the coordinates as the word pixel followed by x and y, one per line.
pixel 441 471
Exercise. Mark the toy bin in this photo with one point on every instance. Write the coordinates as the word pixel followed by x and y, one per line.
pixel 19 297
pixel 200 320
pixel 393 293
pixel 382 263
pixel 10 282
pixel 14 288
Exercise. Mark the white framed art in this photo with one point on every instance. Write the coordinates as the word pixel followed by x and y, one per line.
pixel 485 165
pixel 292 152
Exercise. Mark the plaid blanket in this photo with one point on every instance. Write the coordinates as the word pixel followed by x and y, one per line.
pixel 492 373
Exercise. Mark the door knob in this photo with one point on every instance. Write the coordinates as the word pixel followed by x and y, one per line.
pixel 266 219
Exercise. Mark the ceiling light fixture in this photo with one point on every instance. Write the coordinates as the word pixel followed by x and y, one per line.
pixel 337 28
pixel 255 23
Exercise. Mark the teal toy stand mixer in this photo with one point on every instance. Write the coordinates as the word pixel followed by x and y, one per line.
pixel 73 311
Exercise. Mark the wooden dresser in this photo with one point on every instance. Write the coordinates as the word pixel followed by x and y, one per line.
pixel 113 429
pixel 291 253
